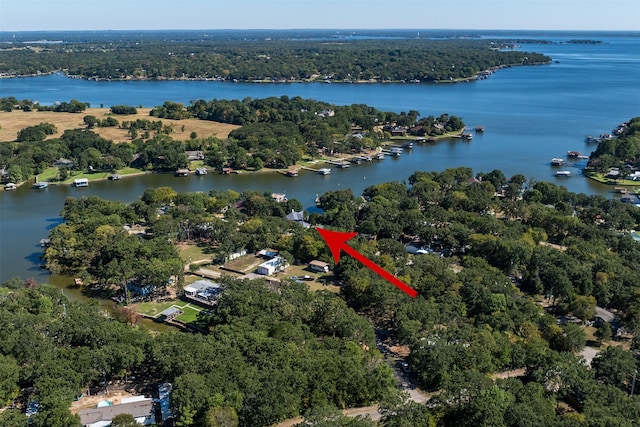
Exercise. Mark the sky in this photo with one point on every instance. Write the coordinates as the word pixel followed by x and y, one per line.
pixel 34 15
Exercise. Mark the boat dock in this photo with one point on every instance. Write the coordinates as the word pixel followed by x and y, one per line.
pixel 340 164
pixel 321 171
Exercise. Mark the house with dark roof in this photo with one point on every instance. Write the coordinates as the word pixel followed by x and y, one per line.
pixel 194 155
pixel 299 218
pixel 141 408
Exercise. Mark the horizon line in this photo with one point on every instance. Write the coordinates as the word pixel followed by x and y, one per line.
pixel 320 29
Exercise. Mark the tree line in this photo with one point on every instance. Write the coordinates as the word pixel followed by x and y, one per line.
pixel 275 59
pixel 275 132
pixel 497 246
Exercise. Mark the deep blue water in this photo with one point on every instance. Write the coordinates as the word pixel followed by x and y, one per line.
pixel 530 114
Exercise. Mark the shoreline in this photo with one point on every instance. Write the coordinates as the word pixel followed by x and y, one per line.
pixel 303 163
pixel 481 75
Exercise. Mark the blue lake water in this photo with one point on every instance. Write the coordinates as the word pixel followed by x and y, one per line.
pixel 530 115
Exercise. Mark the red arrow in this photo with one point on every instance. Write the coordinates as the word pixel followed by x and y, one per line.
pixel 336 240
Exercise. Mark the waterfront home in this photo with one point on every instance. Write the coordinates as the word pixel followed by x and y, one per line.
pixel 81 182
pixel 66 163
pixel 298 217
pixel 194 155
pixel 203 291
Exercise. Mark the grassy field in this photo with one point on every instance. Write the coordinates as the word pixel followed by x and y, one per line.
pixel 604 180
pixel 12 122
pixel 245 263
pixel 189 311
pixel 193 253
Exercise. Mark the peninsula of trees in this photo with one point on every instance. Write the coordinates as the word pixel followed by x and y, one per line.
pixel 272 132
pixel 510 277
pixel 263 57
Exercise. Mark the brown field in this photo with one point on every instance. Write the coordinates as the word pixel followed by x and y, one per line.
pixel 14 121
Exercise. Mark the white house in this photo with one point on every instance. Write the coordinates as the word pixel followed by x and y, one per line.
pixel 274 265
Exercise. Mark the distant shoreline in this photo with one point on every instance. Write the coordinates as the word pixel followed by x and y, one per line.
pixel 478 76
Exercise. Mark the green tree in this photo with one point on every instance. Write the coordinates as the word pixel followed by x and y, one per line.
pixel 615 366
pixel 220 417
pixel 124 420
pixel 9 373
pixel 583 307
pixel 604 332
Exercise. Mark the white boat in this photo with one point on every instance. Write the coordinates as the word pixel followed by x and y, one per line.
pixel 563 173
pixel 324 171
pixel 557 161
pixel 81 182
pixel 40 185
pixel 10 186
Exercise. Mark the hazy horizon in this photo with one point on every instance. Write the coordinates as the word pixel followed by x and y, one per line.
pixel 497 15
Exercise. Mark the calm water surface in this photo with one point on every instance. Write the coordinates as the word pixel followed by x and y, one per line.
pixel 531 114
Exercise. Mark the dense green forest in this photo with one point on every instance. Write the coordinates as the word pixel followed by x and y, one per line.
pixel 273 59
pixel 501 249
pixel 275 133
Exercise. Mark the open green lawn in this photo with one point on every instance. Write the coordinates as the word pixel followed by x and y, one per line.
pixel 190 311
pixel 193 253
pixel 603 179
pixel 52 174
pixel 154 308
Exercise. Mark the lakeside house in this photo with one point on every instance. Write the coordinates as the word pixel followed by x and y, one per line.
pixel 298 217
pixel 194 155
pixel 203 291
